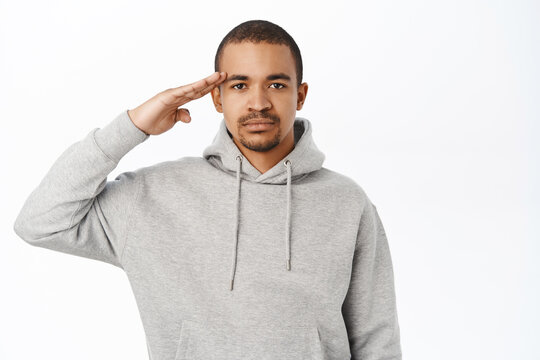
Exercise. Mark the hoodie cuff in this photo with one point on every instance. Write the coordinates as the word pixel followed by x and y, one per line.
pixel 118 137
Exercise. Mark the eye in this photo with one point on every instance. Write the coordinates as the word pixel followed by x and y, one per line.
pixel 279 84
pixel 282 86
pixel 234 86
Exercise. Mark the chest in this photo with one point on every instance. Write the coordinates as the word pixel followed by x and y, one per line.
pixel 190 240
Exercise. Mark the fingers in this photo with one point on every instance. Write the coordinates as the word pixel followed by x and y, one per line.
pixel 200 88
pixel 222 76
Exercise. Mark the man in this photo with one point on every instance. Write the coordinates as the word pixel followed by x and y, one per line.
pixel 252 251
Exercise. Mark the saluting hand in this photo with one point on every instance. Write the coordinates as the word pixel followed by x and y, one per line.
pixel 159 114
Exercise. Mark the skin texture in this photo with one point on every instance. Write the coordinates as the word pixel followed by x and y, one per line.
pixel 241 100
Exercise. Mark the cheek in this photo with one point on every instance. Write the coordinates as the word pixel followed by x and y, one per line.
pixel 231 104
pixel 236 103
pixel 288 107
pixel 287 100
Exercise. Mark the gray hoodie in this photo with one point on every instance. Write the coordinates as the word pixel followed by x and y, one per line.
pixel 226 262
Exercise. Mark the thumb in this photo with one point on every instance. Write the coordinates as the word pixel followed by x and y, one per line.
pixel 182 115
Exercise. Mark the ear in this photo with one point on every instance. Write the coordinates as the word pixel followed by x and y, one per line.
pixel 216 98
pixel 301 95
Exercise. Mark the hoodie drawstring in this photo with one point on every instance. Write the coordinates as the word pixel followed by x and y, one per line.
pixel 287 164
pixel 288 223
pixel 236 221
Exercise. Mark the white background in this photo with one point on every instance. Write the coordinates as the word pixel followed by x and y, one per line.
pixel 431 106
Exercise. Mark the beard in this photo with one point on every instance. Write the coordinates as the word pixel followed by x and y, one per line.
pixel 261 145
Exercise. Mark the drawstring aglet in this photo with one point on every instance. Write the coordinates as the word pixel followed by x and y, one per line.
pixel 232 283
pixel 288 264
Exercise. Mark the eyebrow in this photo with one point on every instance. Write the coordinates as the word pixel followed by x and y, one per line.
pixel 277 76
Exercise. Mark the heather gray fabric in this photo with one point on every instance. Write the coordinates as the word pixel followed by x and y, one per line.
pixel 226 262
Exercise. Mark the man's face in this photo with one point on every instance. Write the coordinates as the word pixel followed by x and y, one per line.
pixel 260 85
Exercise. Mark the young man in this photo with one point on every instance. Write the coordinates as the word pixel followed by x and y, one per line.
pixel 252 251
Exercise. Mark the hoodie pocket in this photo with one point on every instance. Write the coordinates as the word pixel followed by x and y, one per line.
pixel 200 341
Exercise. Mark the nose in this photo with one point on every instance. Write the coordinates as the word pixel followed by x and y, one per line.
pixel 258 100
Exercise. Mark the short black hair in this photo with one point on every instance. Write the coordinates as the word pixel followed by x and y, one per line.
pixel 257 31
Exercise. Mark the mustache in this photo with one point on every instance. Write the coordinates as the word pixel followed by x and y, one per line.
pixel 272 117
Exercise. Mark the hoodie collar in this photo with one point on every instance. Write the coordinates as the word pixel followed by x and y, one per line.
pixel 303 159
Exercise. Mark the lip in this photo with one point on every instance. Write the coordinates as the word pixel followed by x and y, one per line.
pixel 259 124
pixel 258 121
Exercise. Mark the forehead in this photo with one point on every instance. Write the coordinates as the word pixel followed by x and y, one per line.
pixel 262 58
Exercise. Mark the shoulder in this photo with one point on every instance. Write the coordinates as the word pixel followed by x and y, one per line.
pixel 341 181
pixel 342 188
pixel 186 166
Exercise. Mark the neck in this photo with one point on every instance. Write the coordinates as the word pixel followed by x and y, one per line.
pixel 264 161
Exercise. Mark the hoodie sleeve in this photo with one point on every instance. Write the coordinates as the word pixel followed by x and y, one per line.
pixel 369 309
pixel 74 209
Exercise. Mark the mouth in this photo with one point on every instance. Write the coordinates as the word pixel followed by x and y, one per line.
pixel 259 124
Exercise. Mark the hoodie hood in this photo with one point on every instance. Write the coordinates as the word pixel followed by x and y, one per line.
pixel 302 160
